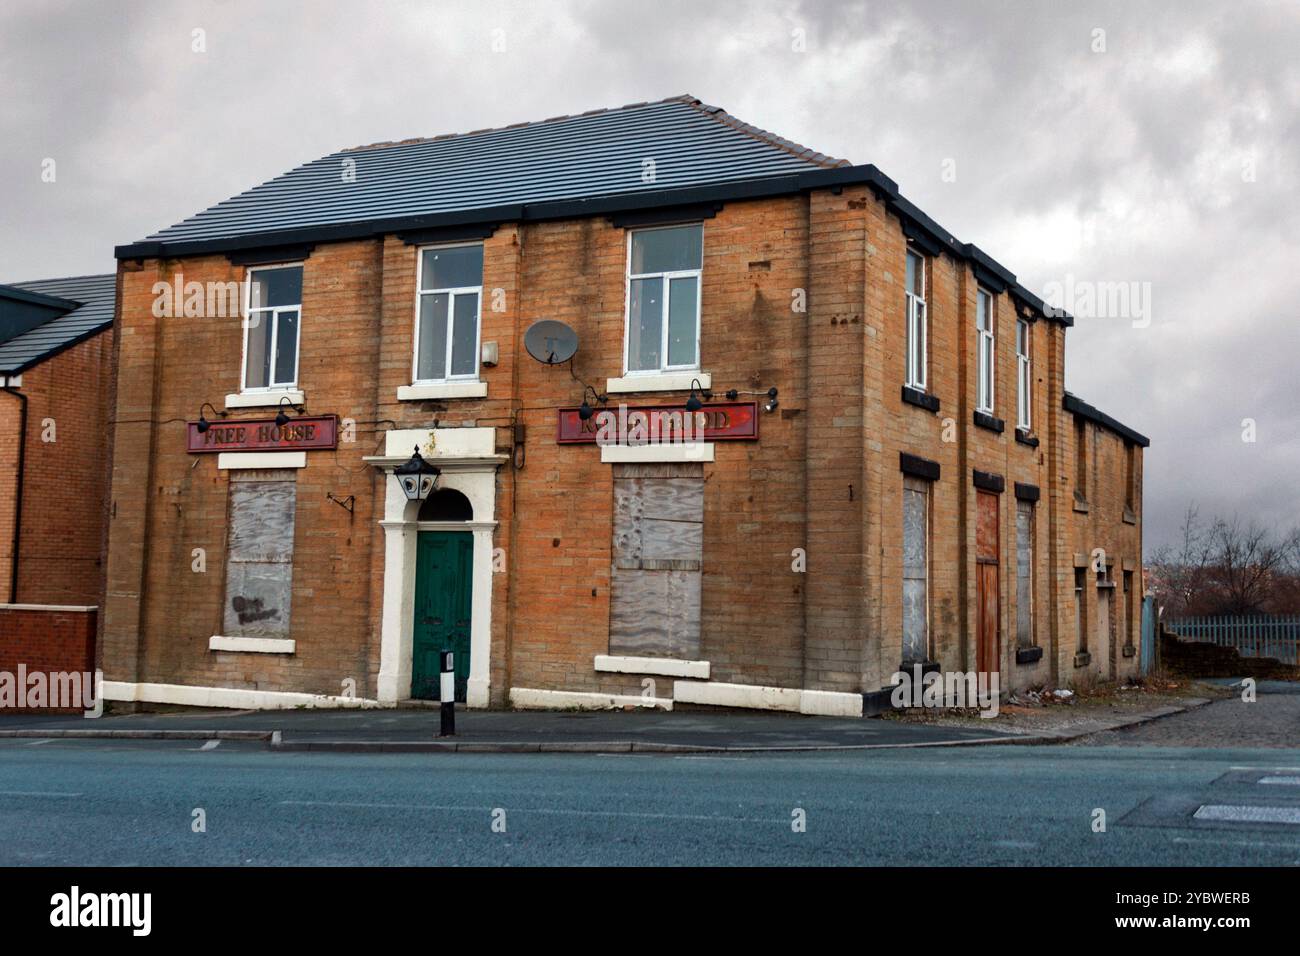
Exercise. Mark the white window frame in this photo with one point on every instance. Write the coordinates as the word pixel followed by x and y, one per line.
pixel 667 277
pixel 986 353
pixel 1024 375
pixel 917 329
pixel 274 311
pixel 451 293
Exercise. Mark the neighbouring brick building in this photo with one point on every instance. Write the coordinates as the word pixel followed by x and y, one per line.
pixel 56 344
pixel 55 390
pixel 906 494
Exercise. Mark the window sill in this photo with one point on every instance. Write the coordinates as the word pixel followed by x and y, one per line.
pixel 1025 438
pixel 257 460
pixel 914 396
pixel 419 393
pixel 1082 659
pixel 1129 517
pixel 658 382
pixel 654 454
pixel 252 645
pixel 1081 506
pixel 265 399
pixel 1029 655
pixel 1130 650
pixel 985 420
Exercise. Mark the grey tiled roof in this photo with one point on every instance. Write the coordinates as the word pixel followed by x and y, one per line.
pixel 94 314
pixel 599 153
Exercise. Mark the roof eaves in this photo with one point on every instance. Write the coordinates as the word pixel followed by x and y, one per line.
pixel 38 298
pixel 1077 406
pixel 20 367
pixel 527 212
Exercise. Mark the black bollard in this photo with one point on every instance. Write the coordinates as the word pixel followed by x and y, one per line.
pixel 448 695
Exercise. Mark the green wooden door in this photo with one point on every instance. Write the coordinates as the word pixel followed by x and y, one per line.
pixel 442 610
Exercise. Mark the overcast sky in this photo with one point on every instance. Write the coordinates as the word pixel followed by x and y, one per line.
pixel 1078 143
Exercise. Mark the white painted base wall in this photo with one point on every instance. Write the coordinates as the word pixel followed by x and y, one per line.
pixel 527 698
pixel 753 697
pixel 190 695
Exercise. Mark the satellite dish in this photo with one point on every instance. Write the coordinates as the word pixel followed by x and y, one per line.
pixel 550 341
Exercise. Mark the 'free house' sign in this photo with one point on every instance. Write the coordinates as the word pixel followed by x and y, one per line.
pixel 301 434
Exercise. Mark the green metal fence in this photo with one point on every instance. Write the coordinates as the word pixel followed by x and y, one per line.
pixel 1275 636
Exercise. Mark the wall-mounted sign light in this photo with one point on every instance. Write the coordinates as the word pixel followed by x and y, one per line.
pixel 203 424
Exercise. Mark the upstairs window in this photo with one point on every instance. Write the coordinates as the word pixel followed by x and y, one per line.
pixel 447 315
pixel 1080 460
pixel 1024 379
pixel 272 309
pixel 916 328
pixel 1130 477
pixel 984 351
pixel 663 299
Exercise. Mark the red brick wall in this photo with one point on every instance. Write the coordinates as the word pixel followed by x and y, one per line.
pixel 10 426
pixel 66 476
pixel 49 640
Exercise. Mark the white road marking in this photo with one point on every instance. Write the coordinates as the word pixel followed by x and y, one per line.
pixel 1272 769
pixel 1284 846
pixel 37 743
pixel 1237 813
pixel 211 745
pixel 1285 781
pixel 36 793
pixel 544 810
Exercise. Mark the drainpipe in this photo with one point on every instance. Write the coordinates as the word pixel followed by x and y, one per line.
pixel 18 489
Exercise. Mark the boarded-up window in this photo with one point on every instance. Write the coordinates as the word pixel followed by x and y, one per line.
pixel 1024 574
pixel 916 550
pixel 658 554
pixel 259 554
pixel 1080 611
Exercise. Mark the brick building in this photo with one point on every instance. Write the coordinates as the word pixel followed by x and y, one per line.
pixel 55 369
pixel 905 494
pixel 55 391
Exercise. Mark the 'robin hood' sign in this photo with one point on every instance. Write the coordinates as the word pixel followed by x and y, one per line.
pixel 299 434
pixel 660 424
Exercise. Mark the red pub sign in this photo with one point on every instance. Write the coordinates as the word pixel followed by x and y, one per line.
pixel 637 424
pixel 300 434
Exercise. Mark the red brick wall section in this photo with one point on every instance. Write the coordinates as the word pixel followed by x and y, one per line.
pixel 66 478
pixel 49 640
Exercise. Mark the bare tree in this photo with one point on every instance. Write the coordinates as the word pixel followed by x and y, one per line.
pixel 1228 567
pixel 1247 559
pixel 1181 569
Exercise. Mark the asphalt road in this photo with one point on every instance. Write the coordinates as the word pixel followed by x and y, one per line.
pixel 84 802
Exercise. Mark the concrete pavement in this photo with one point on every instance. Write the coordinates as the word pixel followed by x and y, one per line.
pixel 416 730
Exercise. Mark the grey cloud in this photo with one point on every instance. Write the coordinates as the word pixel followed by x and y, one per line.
pixel 1141 144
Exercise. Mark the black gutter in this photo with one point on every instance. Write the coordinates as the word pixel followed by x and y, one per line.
pixel 920 227
pixel 1081 408
pixel 18 491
